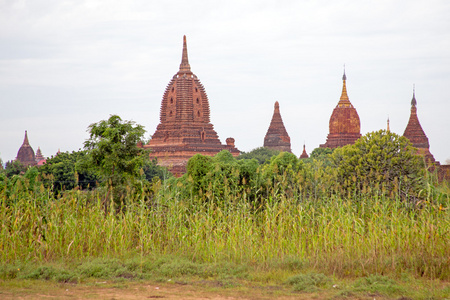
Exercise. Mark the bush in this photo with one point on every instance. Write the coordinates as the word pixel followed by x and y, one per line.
pixel 381 162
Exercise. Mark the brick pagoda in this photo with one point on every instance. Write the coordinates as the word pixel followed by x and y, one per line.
pixel 277 137
pixel 26 154
pixel 344 122
pixel 185 128
pixel 304 154
pixel 416 135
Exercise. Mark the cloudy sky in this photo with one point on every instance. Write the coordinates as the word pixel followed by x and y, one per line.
pixel 67 64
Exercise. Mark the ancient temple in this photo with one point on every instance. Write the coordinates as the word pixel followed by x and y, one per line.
pixel 26 154
pixel 40 159
pixel 304 154
pixel 416 135
pixel 277 137
pixel 344 122
pixel 185 128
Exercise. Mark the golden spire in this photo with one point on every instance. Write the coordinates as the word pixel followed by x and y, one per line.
pixel 344 101
pixel 184 66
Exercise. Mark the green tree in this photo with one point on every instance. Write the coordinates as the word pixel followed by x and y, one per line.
pixel 113 152
pixel 62 172
pixel 321 153
pixel 14 167
pixel 261 154
pixel 220 176
pixel 152 170
pixel 381 162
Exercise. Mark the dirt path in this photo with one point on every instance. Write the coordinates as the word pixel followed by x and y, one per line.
pixel 134 290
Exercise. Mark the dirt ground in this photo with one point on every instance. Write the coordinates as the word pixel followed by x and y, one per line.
pixel 139 290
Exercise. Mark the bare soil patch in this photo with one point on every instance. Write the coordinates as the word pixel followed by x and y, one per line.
pixel 150 290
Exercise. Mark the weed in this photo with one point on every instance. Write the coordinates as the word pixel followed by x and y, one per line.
pixel 378 284
pixel 309 282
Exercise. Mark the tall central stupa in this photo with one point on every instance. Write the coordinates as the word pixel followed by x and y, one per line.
pixel 185 128
pixel 344 122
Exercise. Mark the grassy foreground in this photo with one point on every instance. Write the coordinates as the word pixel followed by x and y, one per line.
pixel 345 246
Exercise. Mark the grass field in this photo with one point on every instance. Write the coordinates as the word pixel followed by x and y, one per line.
pixel 328 247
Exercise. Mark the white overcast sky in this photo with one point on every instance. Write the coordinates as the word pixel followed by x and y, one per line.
pixel 67 64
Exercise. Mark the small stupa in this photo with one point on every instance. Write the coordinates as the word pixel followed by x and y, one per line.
pixel 40 159
pixel 415 133
pixel 26 154
pixel 277 137
pixel 304 154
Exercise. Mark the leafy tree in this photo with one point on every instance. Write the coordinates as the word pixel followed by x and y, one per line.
pixel 322 154
pixel 152 170
pixel 113 153
pixel 62 172
pixel 261 154
pixel 215 177
pixel 281 173
pixel 14 167
pixel 379 161
pixel 197 168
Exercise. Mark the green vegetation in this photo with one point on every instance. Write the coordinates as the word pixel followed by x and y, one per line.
pixel 365 212
pixel 62 172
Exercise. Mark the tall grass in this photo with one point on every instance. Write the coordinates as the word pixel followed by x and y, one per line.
pixel 373 235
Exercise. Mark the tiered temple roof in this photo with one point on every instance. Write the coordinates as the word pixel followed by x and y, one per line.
pixel 40 159
pixel 415 133
pixel 185 128
pixel 26 154
pixel 344 122
pixel 304 154
pixel 277 137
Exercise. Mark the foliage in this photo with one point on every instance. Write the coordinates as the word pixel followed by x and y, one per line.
pixel 217 176
pixel 381 161
pixel 14 167
pixel 321 153
pixel 261 154
pixel 63 172
pixel 113 153
pixel 153 171
pixel 344 237
pixel 309 282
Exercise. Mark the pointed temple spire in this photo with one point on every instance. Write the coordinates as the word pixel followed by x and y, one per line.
pixel 277 137
pixel 304 154
pixel 344 122
pixel 184 66
pixel 344 100
pixel 40 159
pixel 26 154
pixel 415 133
pixel 25 139
pixel 388 127
pixel 414 101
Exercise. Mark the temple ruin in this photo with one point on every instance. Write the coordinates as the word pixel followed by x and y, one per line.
pixel 185 128
pixel 344 122
pixel 277 137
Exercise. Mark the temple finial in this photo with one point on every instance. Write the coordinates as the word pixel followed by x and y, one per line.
pixel 344 77
pixel 388 128
pixel 25 140
pixel 344 97
pixel 184 66
pixel 414 101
